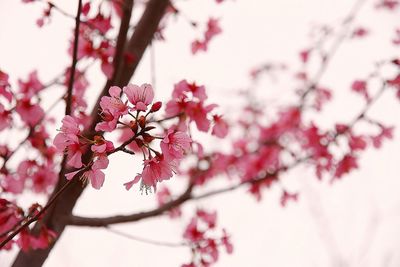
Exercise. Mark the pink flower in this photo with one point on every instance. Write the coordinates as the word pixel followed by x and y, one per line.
pixel 30 113
pixel 220 128
pixel 183 87
pixel 68 139
pixel 388 4
pixel 226 242
pixel 5 118
pixel 386 132
pixel 112 109
pixel 286 196
pixel 32 86
pixel 45 238
pixel 141 96
pixel 304 55
pixel 128 185
pixel 156 170
pixel 192 232
pixel 360 86
pixel 210 218
pixel 165 196
pixel 212 29
pixel 70 125
pixel 357 142
pixel 9 215
pixel 175 144
pixel 347 164
pixel 4 86
pixel 360 32
pixel 197 112
pixel 198 46
pixel 94 175
pixel 101 145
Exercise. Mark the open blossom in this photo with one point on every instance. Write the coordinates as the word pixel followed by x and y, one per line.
pixel 220 128
pixel 101 146
pixel 140 96
pixel 175 144
pixel 68 139
pixel 112 109
pixel 182 88
pixel 4 86
pixel 32 86
pixel 213 29
pixel 155 170
pixel 198 45
pixel 30 113
pixel 197 112
pixel 5 118
pixel 360 86
pixel 347 164
pixel 94 175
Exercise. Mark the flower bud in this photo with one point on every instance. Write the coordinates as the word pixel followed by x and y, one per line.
pixel 156 106
pixel 147 138
pixel 133 125
pixel 142 121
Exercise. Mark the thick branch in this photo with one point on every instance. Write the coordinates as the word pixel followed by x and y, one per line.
pixel 136 46
pixel 74 60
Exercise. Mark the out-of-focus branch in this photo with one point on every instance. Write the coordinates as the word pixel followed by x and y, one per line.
pixel 145 240
pixel 311 85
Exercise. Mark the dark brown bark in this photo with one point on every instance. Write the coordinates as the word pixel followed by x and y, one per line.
pixel 56 216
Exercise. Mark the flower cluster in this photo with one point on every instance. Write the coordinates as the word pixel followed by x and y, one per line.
pixel 188 102
pixel 130 110
pixel 11 216
pixel 205 248
pixel 213 29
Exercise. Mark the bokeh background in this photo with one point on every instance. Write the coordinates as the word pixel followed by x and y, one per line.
pixel 352 222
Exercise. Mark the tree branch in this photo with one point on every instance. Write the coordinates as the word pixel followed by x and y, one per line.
pixel 102 222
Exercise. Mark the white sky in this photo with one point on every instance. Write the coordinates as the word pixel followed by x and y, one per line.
pixel 355 221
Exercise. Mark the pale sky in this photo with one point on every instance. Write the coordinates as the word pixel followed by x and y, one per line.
pixel 353 222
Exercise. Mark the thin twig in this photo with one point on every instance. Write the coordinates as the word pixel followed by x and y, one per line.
pixel 145 240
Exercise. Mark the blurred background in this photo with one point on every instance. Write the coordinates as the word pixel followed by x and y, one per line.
pixel 351 222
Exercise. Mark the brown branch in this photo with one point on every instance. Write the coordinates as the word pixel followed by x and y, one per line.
pixel 74 60
pixel 102 222
pixel 136 46
pixel 122 36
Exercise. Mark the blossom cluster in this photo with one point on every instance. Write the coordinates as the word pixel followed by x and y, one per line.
pixel 205 249
pixel 131 109
pixel 212 30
